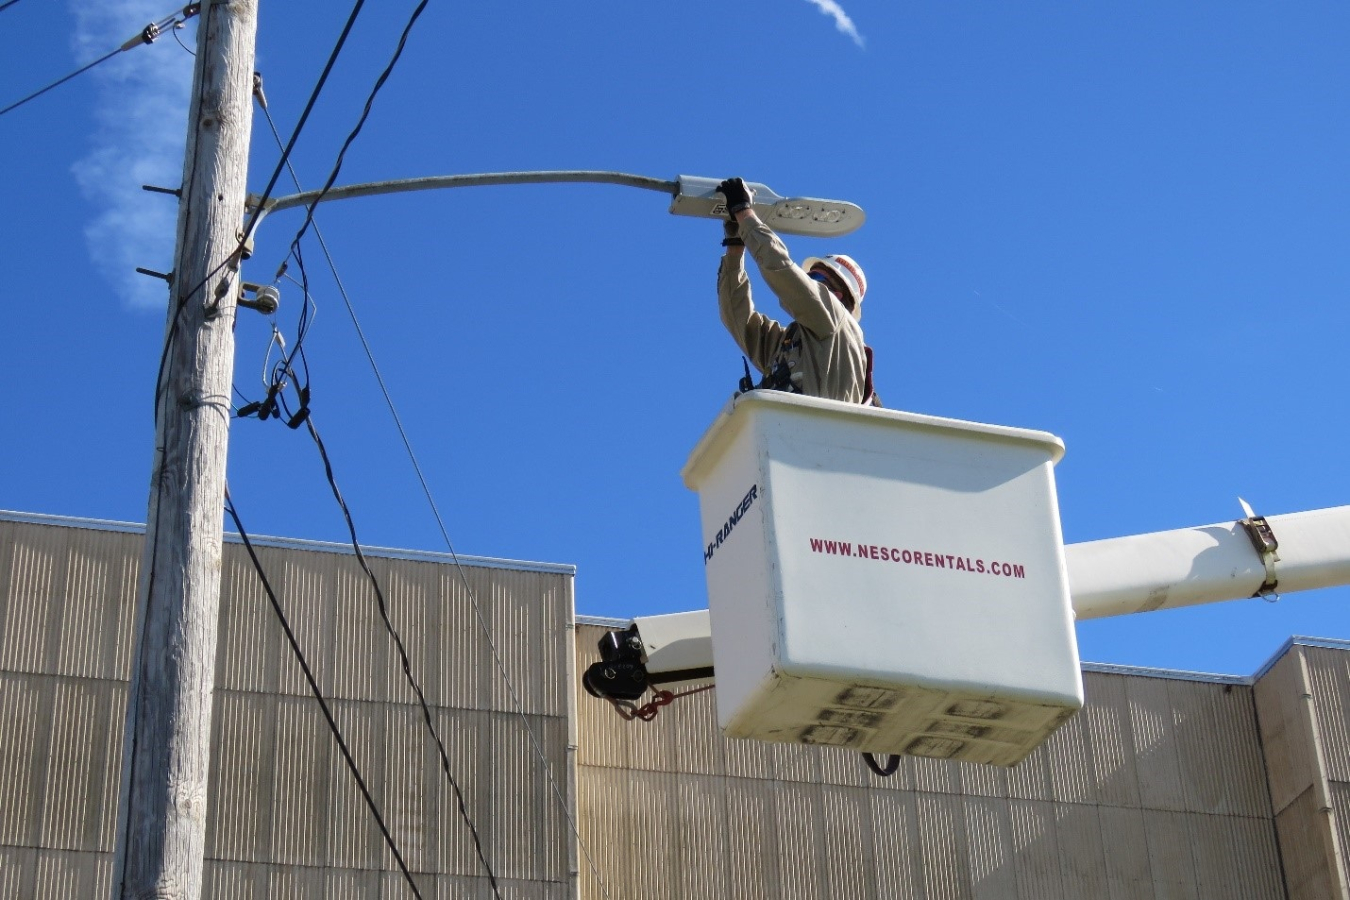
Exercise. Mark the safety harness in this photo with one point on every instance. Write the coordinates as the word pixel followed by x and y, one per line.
pixel 779 376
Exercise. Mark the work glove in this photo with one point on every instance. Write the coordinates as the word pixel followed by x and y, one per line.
pixel 737 194
pixel 731 234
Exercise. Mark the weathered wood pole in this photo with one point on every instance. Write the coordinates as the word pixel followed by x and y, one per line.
pixel 161 820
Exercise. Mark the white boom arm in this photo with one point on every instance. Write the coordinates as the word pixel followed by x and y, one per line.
pixel 1118 576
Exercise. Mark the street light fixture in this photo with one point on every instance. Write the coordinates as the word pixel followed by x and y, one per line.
pixel 690 196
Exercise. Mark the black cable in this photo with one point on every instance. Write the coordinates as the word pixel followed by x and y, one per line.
pixel 318 695
pixel 403 656
pixel 59 82
pixel 365 114
pixel 892 763
pixel 337 168
pixel 146 36
pixel 253 218
pixel 304 117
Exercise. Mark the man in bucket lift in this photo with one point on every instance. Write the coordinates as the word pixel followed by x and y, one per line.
pixel 821 353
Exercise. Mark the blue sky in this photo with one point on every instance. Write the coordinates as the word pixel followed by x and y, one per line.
pixel 1120 223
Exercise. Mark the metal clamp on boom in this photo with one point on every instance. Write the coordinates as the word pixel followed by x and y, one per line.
pixel 1265 543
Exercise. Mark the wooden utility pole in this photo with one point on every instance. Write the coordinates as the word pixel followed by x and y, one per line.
pixel 161 822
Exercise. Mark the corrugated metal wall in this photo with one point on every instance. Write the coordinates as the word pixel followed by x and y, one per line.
pixel 1304 701
pixel 285 819
pixel 1156 790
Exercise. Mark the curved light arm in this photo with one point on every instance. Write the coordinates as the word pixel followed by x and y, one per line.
pixel 690 196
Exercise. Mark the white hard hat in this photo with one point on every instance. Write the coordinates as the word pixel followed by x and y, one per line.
pixel 848 271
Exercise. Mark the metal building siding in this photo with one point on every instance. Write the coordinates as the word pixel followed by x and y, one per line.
pixel 1329 674
pixel 1107 808
pixel 1036 851
pixel 1291 759
pixel 1156 753
pixel 1170 858
pixel 1340 811
pixel 30 568
pixel 26 713
pixel 1303 848
pixel 988 822
pixel 1107 722
pixel 1127 865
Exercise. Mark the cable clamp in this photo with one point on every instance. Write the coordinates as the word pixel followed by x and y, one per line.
pixel 1266 546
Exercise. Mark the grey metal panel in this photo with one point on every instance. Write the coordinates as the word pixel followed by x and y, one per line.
pixel 1082 862
pixel 603 810
pixel 653 805
pixel 1329 672
pixel 1212 723
pixel 848 846
pixel 30 569
pixel 989 836
pixel 942 839
pixel 1035 845
pixel 898 851
pixel 239 816
pixel 1211 841
pixel 1125 846
pixel 25 708
pixel 1291 757
pixel 984 781
pixel 300 798
pixel 82 765
pixel 796 762
pixel 1198 734
pixel 799 826
pixel 137 530
pixel 18 872
pixel 1169 855
pixel 1255 858
pixel 747 759
pixel 1070 753
pixel 752 840
pixel 1340 812
pixel 936 776
pixel 1107 720
pixel 704 862
pixel 1303 847
pixel 1030 779
pixel 63 875
pixel 847 769
pixel 250 648
pixel 1155 745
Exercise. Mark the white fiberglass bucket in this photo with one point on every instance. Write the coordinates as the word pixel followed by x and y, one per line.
pixel 884 581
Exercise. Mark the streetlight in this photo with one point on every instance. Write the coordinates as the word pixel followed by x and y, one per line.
pixel 690 196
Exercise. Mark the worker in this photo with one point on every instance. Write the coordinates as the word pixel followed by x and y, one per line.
pixel 821 354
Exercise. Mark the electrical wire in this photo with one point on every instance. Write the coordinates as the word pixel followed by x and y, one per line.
pixel 60 81
pixel 295 252
pixel 431 501
pixel 147 35
pixel 403 657
pixel 253 218
pixel 318 695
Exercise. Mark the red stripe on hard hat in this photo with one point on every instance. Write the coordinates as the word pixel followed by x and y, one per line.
pixel 853 269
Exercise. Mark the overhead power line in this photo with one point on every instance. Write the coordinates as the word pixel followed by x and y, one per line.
pixel 147 35
pixel 271 183
pixel 318 695
pixel 436 513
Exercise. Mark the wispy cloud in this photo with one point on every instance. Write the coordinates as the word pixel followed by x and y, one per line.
pixel 140 127
pixel 841 19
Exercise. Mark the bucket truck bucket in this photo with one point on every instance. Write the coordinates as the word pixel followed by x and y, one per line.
pixel 884 581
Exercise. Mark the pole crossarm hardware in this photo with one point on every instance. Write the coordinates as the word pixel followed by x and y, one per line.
pixel 690 196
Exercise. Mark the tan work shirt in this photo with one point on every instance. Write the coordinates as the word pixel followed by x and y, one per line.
pixel 828 358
